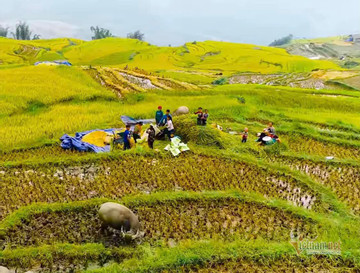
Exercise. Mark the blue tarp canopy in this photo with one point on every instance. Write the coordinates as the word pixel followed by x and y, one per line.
pixel 132 121
pixel 69 142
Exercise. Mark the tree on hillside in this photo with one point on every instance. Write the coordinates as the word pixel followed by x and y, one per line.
pixel 3 31
pixel 100 33
pixel 136 35
pixel 282 41
pixel 22 32
pixel 36 37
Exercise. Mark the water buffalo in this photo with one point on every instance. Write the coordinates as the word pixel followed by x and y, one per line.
pixel 4 269
pixel 119 217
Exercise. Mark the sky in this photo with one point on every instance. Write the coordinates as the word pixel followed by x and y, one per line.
pixel 175 22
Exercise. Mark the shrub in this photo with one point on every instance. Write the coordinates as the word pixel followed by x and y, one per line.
pixel 3 31
pixel 220 81
pixel 132 56
pixel 134 98
pixel 23 32
pixel 241 100
pixel 282 41
pixel 136 35
pixel 100 33
pixel 348 64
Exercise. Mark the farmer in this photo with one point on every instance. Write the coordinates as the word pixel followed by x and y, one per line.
pixel 271 129
pixel 245 135
pixel 137 131
pixel 159 115
pixel 164 119
pixel 170 127
pixel 151 136
pixel 127 137
pixel 205 117
pixel 199 113
pixel 264 133
pixel 272 133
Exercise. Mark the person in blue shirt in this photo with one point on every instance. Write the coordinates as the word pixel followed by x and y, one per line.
pixel 164 119
pixel 127 137
pixel 205 117
pixel 159 115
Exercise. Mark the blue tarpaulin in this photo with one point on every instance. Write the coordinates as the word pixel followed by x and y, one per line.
pixel 54 63
pixel 69 142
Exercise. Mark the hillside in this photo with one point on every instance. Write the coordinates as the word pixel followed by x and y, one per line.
pixel 223 206
pixel 204 56
pixel 346 54
pixel 15 52
pixel 199 63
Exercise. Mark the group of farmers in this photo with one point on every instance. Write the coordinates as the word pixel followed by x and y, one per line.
pixel 165 121
pixel 136 134
pixel 268 136
pixel 202 116
pixel 161 119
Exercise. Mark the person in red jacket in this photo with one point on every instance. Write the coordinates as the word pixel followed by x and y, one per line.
pixel 200 114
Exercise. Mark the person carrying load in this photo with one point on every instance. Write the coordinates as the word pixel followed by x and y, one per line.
pixel 159 115
pixel 137 131
pixel 151 136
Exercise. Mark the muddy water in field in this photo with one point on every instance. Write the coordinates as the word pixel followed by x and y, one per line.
pixel 169 221
pixel 114 178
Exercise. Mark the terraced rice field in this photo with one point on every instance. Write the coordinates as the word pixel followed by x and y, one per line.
pixel 223 206
pixel 342 178
pixel 296 265
pixel 314 147
pixel 169 221
pixel 119 52
pixel 22 186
